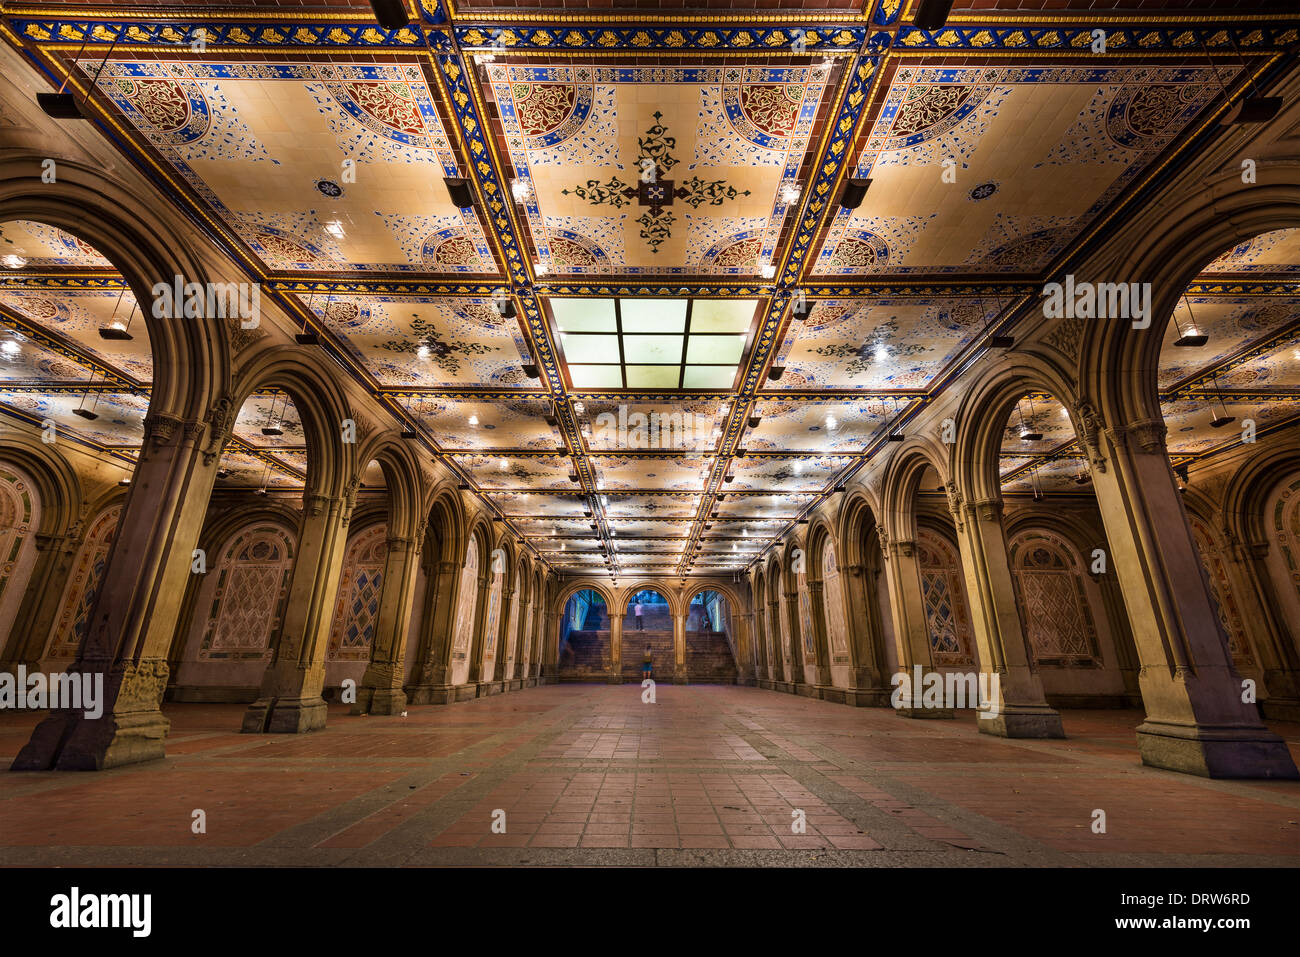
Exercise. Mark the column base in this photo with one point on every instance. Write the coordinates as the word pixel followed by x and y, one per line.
pixel 285 715
pixel 680 679
pixel 71 742
pixel 925 712
pixel 380 701
pixel 1232 751
pixel 486 688
pixel 806 690
pixel 1022 722
pixel 1280 709
pixel 431 694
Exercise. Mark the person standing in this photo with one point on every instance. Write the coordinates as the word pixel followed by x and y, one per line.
pixel 637 610
pixel 647 663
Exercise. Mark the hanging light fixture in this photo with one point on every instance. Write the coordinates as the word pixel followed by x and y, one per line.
pixel 116 330
pixel 1193 337
pixel 1220 421
pixel 1027 433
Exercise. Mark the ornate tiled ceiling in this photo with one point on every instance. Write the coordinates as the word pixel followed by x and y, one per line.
pixel 700 344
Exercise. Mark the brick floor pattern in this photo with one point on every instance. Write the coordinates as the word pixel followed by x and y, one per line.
pixel 589 774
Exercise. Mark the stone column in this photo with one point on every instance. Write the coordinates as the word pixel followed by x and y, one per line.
pixel 679 650
pixel 508 655
pixel 526 643
pixel 136 608
pixel 821 644
pixel 432 675
pixel 794 630
pixel 867 684
pixel 1195 721
pixel 1020 705
pixel 747 663
pixel 478 647
pixel 381 685
pixel 1278 658
pixel 1126 657
pixel 40 605
pixel 776 670
pixel 551 652
pixel 615 675
pixel 911 630
pixel 290 698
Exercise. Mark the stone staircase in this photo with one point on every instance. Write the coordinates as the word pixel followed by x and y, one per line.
pixel 583 656
pixel 709 659
pixel 661 642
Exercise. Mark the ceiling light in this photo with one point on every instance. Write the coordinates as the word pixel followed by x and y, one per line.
pixel 86 414
pixel 1220 421
pixel 767 270
pixel 391 14
pixel 422 352
pixel 854 192
pixel 932 14
pixel 1253 109
pixel 831 424
pixel 506 308
pixel 532 371
pixel 60 106
pixel 272 430
pixel 1192 339
pixel 790 192
pixel 10 347
pixel 503 464
pixel 116 331
pixel 1002 342
pixel 462 197
pixel 124 482
pixel 520 189
pixel 1028 435
pixel 775 372
pixel 14 261
pixel 541 269
pixel 334 228
pixel 882 353
pixel 753 424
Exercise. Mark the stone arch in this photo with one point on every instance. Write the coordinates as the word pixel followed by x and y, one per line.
pixel 56 483
pixel 446 516
pixel 331 463
pixel 903 474
pixel 858 516
pixel 982 420
pixel 949 617
pixel 191 358
pixel 88 570
pixel 1042 556
pixel 1246 496
pixel 245 593
pixel 1118 365
pixel 402 479
pixel 650 584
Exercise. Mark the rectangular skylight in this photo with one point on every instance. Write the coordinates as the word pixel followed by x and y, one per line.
pixel 651 343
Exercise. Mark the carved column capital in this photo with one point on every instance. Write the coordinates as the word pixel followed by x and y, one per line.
pixel 159 428
pixel 1090 427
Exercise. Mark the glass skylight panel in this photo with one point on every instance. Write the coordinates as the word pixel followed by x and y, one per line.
pixel 584 315
pixel 712 350
pixel 722 315
pixel 653 315
pixel 709 377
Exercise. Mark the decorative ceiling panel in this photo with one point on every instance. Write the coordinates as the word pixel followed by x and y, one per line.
pixel 1000 207
pixel 405 342
pixel 879 344
pixel 316 166
pixel 655 170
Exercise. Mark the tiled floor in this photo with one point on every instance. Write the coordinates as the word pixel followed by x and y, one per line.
pixel 590 774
